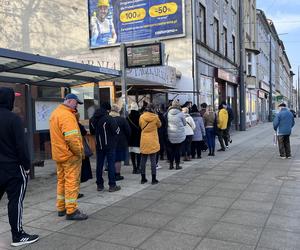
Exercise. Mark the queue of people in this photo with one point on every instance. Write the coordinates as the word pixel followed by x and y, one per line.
pixel 147 132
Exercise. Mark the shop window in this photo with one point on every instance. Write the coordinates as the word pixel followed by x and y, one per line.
pixel 202 22
pixel 225 41
pixel 233 49
pixel 216 35
pixel 251 64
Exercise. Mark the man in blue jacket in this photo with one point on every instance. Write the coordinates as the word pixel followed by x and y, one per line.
pixel 14 166
pixel 283 123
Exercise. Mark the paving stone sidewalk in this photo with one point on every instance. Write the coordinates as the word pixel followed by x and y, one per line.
pixel 243 199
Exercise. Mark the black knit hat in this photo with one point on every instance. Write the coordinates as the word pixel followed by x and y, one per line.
pixel 106 106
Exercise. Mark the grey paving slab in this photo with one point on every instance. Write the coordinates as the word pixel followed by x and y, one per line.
pixel 282 240
pixel 286 210
pixel 135 203
pixel 50 222
pixel 149 219
pixel 165 187
pixel 245 218
pixel 127 235
pixel 4 226
pixel 193 189
pixel 90 228
pixel 253 206
pixel 190 225
pixel 203 182
pixel 258 196
pixel 255 187
pixel 166 207
pixel 284 223
pixel 100 245
pixel 176 180
pixel 211 244
pixel 163 240
pixel 204 212
pixel 113 213
pixel 150 194
pixel 181 197
pixel 288 199
pixel 236 233
pixel 215 201
pixel 233 186
pixel 228 193
pixel 58 241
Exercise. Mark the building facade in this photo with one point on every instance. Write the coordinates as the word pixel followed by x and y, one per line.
pixel 217 56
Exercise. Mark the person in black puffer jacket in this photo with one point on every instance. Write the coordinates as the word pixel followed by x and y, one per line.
pixel 122 139
pixel 135 138
pixel 105 128
pixel 14 166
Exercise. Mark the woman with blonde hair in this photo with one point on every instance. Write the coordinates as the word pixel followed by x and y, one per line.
pixel 210 123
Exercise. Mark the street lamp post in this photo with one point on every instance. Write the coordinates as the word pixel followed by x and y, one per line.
pixel 241 70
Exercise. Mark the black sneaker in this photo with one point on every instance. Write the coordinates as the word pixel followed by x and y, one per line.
pixel 61 213
pixel 77 215
pixel 24 239
pixel 100 188
pixel 119 177
pixel 114 189
pixel 80 196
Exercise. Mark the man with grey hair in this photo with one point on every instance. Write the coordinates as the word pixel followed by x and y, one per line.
pixel 283 124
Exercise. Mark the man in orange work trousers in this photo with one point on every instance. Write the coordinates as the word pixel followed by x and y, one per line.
pixel 67 151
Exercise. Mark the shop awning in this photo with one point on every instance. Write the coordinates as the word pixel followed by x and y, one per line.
pixel 25 68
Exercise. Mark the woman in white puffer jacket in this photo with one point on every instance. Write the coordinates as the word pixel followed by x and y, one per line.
pixel 189 132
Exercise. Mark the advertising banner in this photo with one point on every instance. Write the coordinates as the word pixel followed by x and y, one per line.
pixel 119 21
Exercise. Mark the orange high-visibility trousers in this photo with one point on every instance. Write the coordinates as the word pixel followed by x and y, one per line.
pixel 68 183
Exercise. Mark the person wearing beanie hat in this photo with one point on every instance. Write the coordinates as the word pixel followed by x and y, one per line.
pixel 283 124
pixel 122 139
pixel 176 132
pixel 135 137
pixel 106 130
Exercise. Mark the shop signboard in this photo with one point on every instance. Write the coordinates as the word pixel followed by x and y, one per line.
pixel 112 22
pixel 144 55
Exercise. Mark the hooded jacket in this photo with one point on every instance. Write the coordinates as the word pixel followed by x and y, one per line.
pixel 105 129
pixel 124 134
pixel 176 123
pixel 149 123
pixel 13 149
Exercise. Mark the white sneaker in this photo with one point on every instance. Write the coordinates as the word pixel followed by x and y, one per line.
pixel 158 166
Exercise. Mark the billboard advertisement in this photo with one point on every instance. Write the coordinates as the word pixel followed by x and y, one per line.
pixel 113 22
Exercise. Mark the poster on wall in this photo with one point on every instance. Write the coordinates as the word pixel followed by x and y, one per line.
pixel 43 110
pixel 113 22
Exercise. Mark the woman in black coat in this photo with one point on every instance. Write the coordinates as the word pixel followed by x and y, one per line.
pixel 86 170
pixel 135 137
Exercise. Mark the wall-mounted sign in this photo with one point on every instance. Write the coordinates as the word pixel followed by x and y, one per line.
pixel 144 55
pixel 226 76
pixel 119 21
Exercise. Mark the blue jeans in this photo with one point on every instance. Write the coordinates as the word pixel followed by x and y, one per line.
pixel 210 137
pixel 109 154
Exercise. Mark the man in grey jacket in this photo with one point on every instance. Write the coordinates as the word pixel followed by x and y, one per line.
pixel 283 123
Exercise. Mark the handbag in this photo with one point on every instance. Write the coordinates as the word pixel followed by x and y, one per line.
pixel 87 150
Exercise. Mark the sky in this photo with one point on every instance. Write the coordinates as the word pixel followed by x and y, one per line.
pixel 286 16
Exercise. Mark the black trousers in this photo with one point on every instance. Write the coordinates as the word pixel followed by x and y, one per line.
pixel 13 182
pixel 196 146
pixel 175 149
pixel 284 145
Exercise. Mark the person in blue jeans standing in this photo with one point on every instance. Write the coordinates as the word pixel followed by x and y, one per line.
pixel 105 128
pixel 210 121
